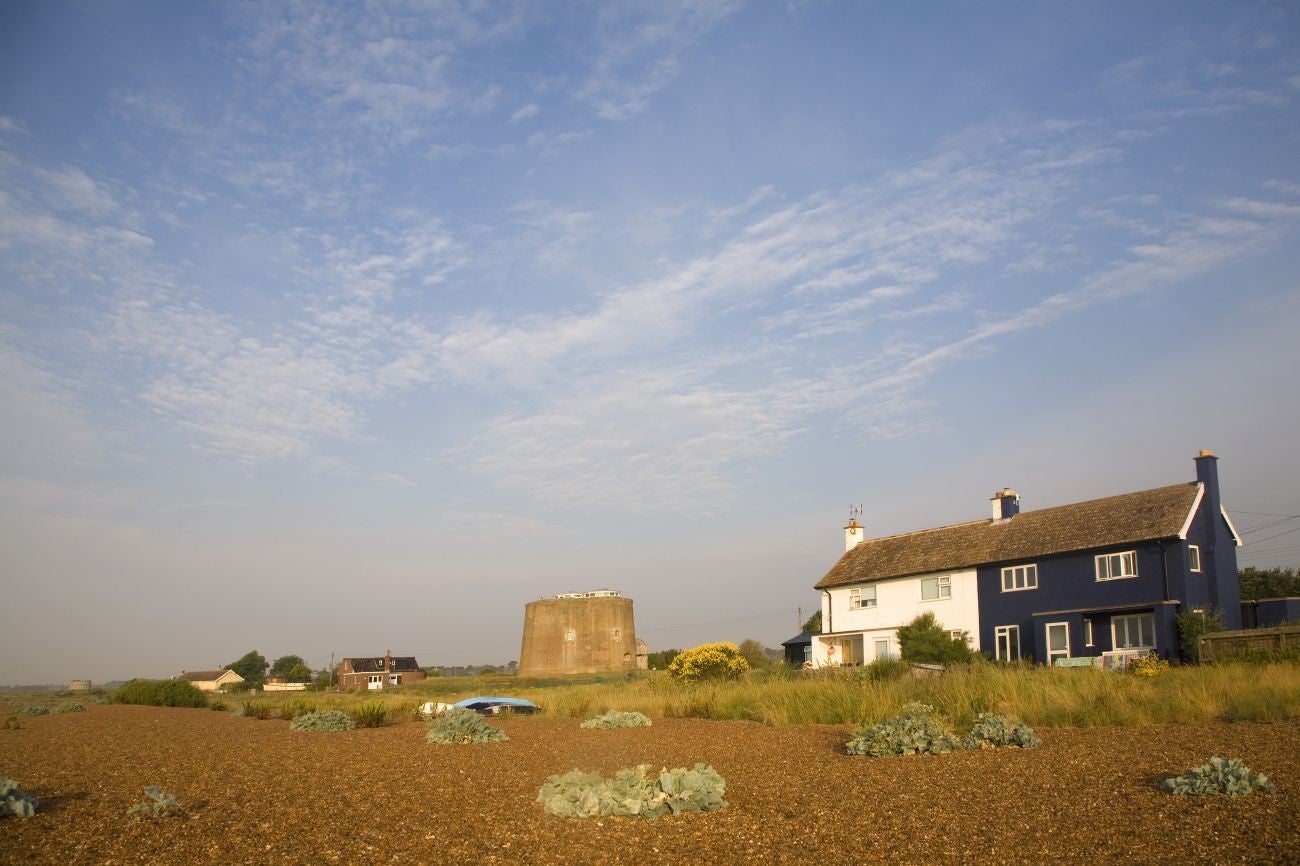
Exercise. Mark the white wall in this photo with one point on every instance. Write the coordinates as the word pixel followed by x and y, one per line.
pixel 898 602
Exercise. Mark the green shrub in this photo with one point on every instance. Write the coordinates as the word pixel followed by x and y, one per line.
pixel 917 731
pixel 157 803
pixel 34 710
pixel 709 661
pixel 924 640
pixel 323 720
pixel 883 670
pixel 616 719
pixel 218 706
pixel 636 791
pixel 992 731
pixel 16 802
pixel 463 726
pixel 253 710
pixel 291 710
pixel 370 714
pixel 1192 625
pixel 1220 776
pixel 159 693
pixel 68 708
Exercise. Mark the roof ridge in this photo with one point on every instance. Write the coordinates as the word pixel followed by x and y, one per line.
pixel 1108 498
pixel 923 531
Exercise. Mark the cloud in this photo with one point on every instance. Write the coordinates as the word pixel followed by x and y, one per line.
pixel 640 48
pixel 8 124
pixel 524 113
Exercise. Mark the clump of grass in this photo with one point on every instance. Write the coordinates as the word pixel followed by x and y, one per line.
pixel 254 710
pixel 371 714
pixel 292 709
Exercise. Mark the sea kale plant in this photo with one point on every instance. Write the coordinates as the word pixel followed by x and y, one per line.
pixel 1220 776
pixel 14 801
pixel 461 725
pixel 323 720
pixel 990 732
pixel 616 719
pixel 917 731
pixel 34 710
pixel 68 708
pixel 157 803
pixel 634 792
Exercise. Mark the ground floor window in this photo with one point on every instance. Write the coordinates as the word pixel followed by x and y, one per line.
pixel 375 679
pixel 395 679
pixel 881 648
pixel 1134 632
pixel 1007 640
pixel 1087 632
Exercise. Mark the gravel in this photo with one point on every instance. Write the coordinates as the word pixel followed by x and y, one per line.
pixel 256 792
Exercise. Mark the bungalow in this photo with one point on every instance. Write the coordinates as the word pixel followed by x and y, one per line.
pixel 211 681
pixel 379 672
pixel 1105 578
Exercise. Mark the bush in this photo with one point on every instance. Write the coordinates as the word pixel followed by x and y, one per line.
pixel 156 804
pixel 616 719
pixel 883 670
pixel 1220 776
pixel 463 726
pixel 159 693
pixel 1191 625
pixel 636 791
pixel 218 706
pixel 925 641
pixel 992 731
pixel 709 661
pixel 16 802
pixel 323 720
pixel 253 710
pixel 1149 665
pixel 917 731
pixel 291 710
pixel 68 708
pixel 34 710
pixel 371 714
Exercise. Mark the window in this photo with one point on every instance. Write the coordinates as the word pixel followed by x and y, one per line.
pixel 570 634
pixel 1007 639
pixel 616 633
pixel 860 598
pixel 376 678
pixel 936 587
pixel 1194 557
pixel 882 647
pixel 1058 641
pixel 1112 566
pixel 1133 632
pixel 395 679
pixel 1087 632
pixel 1020 577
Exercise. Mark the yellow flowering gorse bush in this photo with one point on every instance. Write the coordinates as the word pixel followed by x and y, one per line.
pixel 709 661
pixel 1149 666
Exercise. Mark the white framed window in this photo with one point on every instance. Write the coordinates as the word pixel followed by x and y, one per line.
pixel 1058 641
pixel 936 587
pixel 1135 632
pixel 1017 577
pixel 616 633
pixel 959 634
pixel 1113 566
pixel 862 597
pixel 1007 641
pixel 395 679
pixel 570 634
pixel 1087 632
pixel 376 678
pixel 1194 557
pixel 881 647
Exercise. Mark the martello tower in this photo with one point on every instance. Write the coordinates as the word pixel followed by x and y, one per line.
pixel 578 633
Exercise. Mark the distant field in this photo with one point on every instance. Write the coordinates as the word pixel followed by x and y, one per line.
pixel 256 792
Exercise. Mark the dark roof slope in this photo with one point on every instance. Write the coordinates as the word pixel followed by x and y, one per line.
pixel 1115 520
pixel 375 664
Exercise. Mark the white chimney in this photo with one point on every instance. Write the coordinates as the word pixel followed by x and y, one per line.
pixel 852 534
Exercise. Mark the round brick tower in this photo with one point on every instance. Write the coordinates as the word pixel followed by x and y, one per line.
pixel 578 633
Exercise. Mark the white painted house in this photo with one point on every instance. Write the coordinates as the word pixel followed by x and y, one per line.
pixel 860 622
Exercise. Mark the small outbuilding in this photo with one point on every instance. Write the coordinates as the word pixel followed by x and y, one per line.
pixel 798 649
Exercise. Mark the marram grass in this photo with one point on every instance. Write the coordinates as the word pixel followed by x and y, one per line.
pixel 1038 696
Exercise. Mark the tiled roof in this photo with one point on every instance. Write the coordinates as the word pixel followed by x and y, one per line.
pixel 375 664
pixel 202 676
pixel 1125 519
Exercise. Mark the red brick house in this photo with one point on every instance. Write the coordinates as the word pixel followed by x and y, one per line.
pixel 379 672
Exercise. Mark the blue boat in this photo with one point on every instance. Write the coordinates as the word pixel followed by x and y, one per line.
pixel 489 705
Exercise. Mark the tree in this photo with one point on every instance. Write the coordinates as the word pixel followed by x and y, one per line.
pixel 292 668
pixel 814 623
pixel 661 659
pixel 1257 583
pixel 925 640
pixel 754 652
pixel 1191 625
pixel 252 667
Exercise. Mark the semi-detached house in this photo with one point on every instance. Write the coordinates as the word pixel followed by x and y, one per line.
pixel 1101 578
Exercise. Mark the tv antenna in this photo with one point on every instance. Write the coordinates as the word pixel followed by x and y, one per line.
pixel 855 511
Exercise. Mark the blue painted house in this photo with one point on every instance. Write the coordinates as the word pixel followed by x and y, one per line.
pixel 1104 578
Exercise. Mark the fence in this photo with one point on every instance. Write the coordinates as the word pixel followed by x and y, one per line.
pixel 1221 644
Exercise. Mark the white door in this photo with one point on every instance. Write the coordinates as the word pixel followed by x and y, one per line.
pixel 1058 641
pixel 882 648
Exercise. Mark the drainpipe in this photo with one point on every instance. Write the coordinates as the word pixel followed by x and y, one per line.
pixel 1164 569
pixel 830 621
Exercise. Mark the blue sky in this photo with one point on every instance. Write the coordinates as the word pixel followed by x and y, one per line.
pixel 344 328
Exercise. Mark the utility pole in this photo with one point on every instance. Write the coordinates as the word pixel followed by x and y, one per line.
pixel 800 624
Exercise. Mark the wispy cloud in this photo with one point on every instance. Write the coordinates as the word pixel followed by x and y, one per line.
pixel 525 112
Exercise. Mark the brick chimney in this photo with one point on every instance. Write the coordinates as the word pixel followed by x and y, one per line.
pixel 388 660
pixel 1005 504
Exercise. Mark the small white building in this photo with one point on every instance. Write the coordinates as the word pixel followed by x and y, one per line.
pixel 211 681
